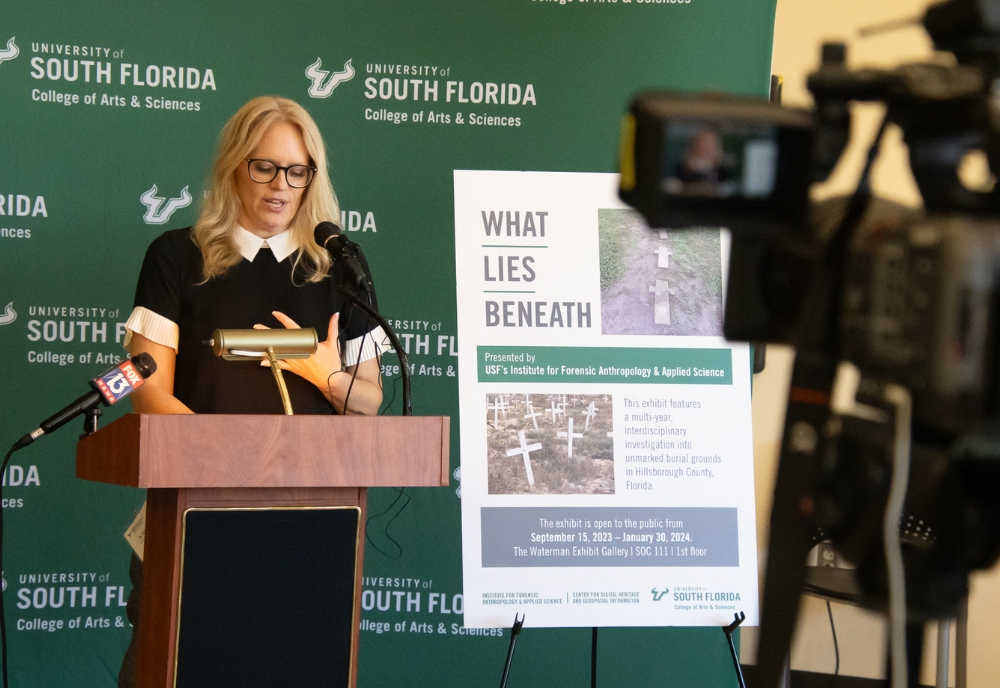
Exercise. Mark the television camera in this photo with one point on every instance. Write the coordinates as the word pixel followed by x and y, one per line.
pixel 905 478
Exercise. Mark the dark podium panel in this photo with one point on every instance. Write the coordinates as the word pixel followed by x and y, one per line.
pixel 267 597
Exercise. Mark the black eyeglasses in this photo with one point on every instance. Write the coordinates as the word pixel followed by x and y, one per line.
pixel 264 171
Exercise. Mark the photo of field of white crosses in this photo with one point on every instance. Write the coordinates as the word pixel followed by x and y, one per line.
pixel 550 444
pixel 655 281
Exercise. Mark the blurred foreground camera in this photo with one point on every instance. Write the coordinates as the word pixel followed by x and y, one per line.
pixel 904 477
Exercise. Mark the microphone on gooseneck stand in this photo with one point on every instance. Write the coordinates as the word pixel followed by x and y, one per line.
pixel 112 385
pixel 345 252
pixel 352 282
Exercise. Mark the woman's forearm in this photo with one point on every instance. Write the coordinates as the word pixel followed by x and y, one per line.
pixel 154 400
pixel 365 395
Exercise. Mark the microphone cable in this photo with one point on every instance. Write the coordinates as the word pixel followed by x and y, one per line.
pixel 387 405
pixel 357 366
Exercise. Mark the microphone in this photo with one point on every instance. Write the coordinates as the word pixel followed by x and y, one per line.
pixel 354 282
pixel 344 251
pixel 111 386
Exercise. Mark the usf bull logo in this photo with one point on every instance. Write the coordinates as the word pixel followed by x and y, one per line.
pixel 10 52
pixel 159 209
pixel 657 596
pixel 323 82
pixel 9 315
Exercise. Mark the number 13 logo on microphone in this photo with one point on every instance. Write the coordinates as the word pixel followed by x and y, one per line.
pixel 118 382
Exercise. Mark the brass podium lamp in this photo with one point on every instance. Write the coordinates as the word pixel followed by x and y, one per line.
pixel 274 345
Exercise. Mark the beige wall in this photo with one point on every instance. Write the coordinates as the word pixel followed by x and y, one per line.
pixel 800 27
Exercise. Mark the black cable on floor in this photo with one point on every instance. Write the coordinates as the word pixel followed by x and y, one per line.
pixel 836 647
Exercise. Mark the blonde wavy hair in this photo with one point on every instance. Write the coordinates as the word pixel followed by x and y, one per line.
pixel 215 230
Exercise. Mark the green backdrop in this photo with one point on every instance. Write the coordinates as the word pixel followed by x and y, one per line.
pixel 82 144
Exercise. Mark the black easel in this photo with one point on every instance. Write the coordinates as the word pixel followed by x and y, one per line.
pixel 515 631
pixel 593 657
pixel 728 630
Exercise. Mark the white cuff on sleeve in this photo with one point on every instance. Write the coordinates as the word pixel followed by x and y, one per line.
pixel 153 327
pixel 375 343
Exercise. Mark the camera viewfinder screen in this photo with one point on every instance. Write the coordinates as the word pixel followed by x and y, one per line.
pixel 720 159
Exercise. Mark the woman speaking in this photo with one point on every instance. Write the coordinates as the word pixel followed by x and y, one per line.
pixel 251 261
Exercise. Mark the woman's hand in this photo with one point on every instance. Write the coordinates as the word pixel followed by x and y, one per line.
pixel 325 370
pixel 320 365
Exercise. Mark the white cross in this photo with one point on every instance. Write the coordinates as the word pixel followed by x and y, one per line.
pixel 555 411
pixel 605 397
pixel 569 435
pixel 663 257
pixel 533 415
pixel 502 403
pixel 524 450
pixel 562 404
pixel 589 413
pixel 661 303
pixel 495 408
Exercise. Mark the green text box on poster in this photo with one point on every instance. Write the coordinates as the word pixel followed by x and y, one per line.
pixel 599 364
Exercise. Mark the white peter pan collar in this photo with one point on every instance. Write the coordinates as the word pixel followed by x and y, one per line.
pixel 282 245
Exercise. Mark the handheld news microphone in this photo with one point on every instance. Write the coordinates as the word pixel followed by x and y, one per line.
pixel 345 252
pixel 112 385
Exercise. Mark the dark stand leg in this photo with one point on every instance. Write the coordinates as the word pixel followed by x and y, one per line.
pixel 593 657
pixel 515 631
pixel 914 652
pixel 127 676
pixel 728 630
pixel 914 655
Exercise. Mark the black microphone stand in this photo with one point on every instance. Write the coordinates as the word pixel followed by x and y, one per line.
pixel 90 420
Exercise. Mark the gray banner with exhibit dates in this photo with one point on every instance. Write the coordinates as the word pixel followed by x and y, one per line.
pixel 609 536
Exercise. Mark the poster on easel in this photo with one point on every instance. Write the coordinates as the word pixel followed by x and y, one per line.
pixel 607 462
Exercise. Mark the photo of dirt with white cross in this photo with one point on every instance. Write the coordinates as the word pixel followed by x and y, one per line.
pixel 550 444
pixel 655 281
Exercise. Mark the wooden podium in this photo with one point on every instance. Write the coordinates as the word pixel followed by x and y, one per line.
pixel 255 536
